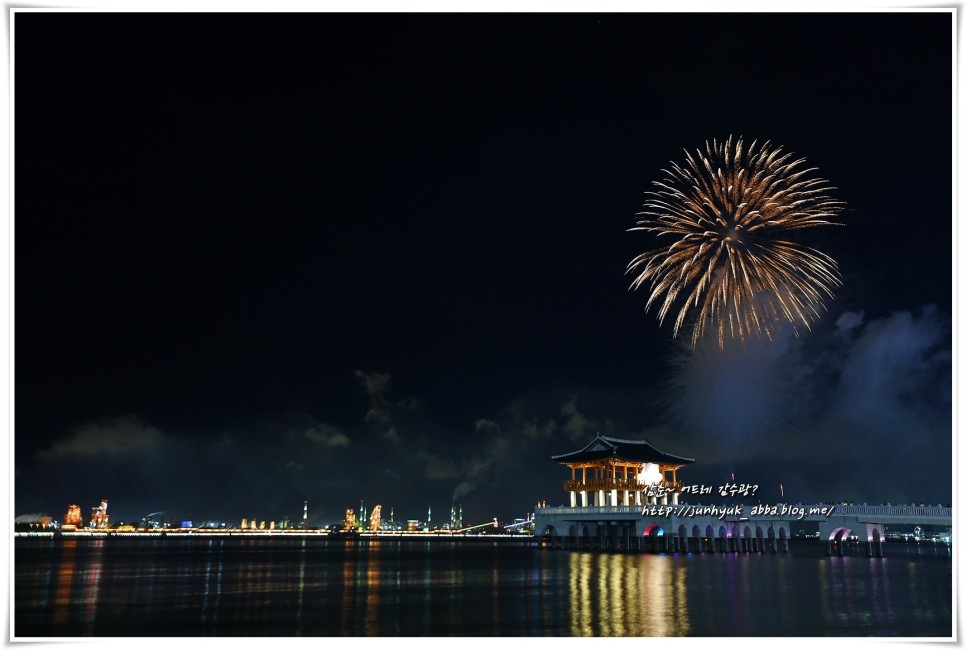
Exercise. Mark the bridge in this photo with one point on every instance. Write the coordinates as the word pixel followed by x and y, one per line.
pixel 868 523
pixel 724 528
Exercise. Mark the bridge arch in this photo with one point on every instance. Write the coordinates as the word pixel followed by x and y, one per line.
pixel 655 534
pixel 840 534
pixel 836 540
pixel 654 530
pixel 550 537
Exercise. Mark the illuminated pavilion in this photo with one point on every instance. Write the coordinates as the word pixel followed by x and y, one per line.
pixel 617 472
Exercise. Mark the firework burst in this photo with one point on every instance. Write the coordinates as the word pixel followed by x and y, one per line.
pixel 729 213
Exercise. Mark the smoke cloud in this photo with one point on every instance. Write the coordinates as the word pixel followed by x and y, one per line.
pixel 327 435
pixel 111 436
pixel 376 385
pixel 857 412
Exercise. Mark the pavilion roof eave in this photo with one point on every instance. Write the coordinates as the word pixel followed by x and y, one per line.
pixel 605 447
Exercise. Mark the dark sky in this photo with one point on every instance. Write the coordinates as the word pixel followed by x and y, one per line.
pixel 267 258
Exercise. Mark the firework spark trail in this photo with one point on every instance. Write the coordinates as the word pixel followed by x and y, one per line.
pixel 729 211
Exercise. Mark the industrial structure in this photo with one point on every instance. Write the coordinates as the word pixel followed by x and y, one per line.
pixel 73 516
pixel 99 518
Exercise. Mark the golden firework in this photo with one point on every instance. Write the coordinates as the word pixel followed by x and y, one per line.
pixel 729 212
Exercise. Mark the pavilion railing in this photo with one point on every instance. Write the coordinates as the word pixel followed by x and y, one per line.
pixel 591 485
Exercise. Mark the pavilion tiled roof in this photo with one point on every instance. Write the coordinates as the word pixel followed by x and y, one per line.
pixel 640 451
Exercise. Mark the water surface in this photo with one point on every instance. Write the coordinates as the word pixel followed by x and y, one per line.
pixel 317 587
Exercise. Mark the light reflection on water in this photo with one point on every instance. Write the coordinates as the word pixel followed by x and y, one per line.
pixel 627 595
pixel 298 587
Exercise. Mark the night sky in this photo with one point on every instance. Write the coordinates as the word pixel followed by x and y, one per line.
pixel 263 258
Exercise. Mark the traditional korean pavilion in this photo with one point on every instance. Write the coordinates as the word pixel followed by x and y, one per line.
pixel 613 471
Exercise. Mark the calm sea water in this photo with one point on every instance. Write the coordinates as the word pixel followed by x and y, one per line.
pixel 311 587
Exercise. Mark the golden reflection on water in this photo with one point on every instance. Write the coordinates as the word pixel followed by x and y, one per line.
pixel 92 579
pixel 627 595
pixel 373 581
pixel 65 580
pixel 348 592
